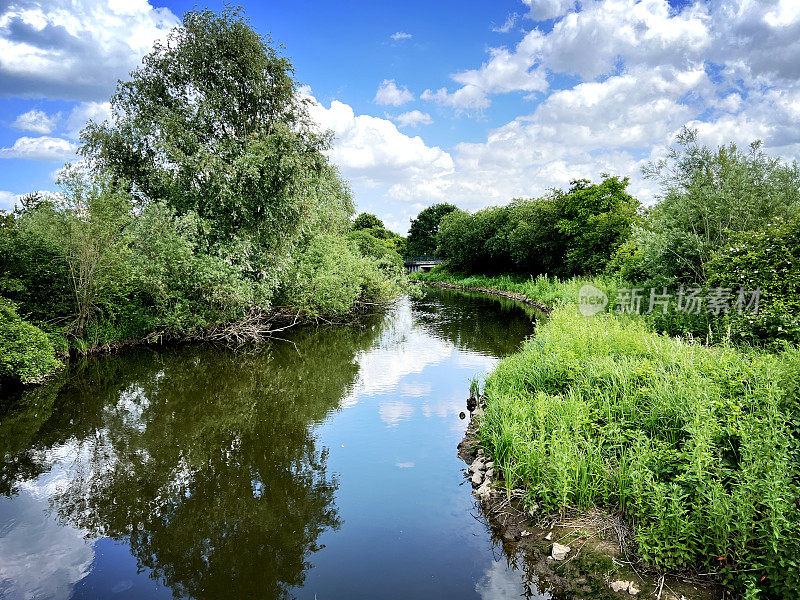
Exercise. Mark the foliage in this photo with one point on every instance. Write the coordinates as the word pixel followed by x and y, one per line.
pixel 26 352
pixel 367 221
pixel 377 248
pixel 332 277
pixel 550 291
pixel 566 233
pixel 33 272
pixel 212 124
pixel 424 229
pixel 709 195
pixel 768 260
pixel 691 443
pixel 205 196
pixel 189 289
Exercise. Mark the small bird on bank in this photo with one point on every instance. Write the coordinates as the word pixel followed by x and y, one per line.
pixel 472 403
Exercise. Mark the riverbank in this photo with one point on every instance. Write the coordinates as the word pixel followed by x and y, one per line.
pixel 492 292
pixel 541 291
pixel 694 448
pixel 30 356
pixel 580 553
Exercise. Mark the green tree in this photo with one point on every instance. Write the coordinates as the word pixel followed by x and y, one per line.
pixel 212 124
pixel 709 194
pixel 367 221
pixel 424 229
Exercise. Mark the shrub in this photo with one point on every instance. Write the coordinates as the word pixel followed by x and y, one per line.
pixel 692 443
pixel 26 353
pixel 709 194
pixel 769 260
pixel 331 278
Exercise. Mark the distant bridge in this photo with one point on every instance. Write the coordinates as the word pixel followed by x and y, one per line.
pixel 421 263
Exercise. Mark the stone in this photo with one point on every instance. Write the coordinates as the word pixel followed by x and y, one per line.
pixel 480 452
pixel 490 464
pixel 484 492
pixel 477 465
pixel 525 533
pixel 477 478
pixel 625 586
pixel 490 473
pixel 559 551
pixel 549 536
pixel 620 586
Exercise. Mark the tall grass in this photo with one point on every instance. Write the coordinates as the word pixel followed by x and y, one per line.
pixel 548 290
pixel 696 446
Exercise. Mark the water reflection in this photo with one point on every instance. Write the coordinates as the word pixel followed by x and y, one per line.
pixel 212 472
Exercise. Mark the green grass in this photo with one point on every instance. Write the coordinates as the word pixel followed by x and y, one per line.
pixel 548 290
pixel 693 444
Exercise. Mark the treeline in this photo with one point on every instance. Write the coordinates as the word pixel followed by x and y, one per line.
pixel 205 208
pixel 726 219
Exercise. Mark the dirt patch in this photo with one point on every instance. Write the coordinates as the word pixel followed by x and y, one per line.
pixel 599 554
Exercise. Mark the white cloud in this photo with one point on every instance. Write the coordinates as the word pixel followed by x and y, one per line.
pixel 511 21
pixel 75 49
pixel 37 121
pixel 399 36
pixel 467 98
pixel 548 9
pixel 389 94
pixel 412 118
pixel 372 151
pixel 85 112
pixel 7 200
pixel 47 149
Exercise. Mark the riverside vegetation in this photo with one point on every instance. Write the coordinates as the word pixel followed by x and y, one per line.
pixel 203 209
pixel 687 425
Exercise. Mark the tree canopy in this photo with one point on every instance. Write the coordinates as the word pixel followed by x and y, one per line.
pixel 425 227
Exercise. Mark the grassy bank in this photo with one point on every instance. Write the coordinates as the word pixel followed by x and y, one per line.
pixel 697 447
pixel 550 291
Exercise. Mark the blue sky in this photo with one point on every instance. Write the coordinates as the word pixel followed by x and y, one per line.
pixel 468 102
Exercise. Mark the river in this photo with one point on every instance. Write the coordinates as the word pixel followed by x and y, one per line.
pixel 322 466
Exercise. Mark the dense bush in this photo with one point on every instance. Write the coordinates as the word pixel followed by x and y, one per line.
pixel 26 352
pixel 693 444
pixel 708 195
pixel 332 277
pixel 565 234
pixel 768 260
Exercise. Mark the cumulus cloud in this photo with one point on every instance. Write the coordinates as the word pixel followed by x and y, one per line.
pixel 44 148
pixel 399 36
pixel 36 121
pixel 84 112
pixel 373 151
pixel 389 94
pixel 468 98
pixel 413 118
pixel 7 200
pixel 548 9
pixel 75 49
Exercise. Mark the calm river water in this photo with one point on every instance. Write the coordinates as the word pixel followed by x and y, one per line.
pixel 319 467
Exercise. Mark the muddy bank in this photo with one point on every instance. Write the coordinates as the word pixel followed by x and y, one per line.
pixel 580 555
pixel 503 294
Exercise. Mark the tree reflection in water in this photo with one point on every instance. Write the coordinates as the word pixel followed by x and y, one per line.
pixel 205 461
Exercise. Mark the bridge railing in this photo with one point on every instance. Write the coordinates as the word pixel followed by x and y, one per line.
pixel 411 259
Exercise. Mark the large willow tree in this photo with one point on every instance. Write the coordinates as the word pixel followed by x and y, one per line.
pixel 212 124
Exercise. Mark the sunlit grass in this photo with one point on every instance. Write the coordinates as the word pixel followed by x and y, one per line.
pixel 690 442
